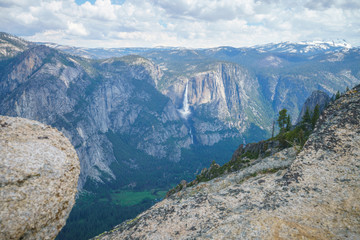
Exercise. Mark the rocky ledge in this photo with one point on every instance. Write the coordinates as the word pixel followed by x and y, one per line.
pixel 316 197
pixel 39 170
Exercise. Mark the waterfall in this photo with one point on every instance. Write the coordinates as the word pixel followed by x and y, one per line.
pixel 185 110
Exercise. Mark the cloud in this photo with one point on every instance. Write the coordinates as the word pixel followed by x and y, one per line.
pixel 206 10
pixel 76 29
pixel 102 10
pixel 190 23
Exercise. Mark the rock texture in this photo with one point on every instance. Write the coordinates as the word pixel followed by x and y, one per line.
pixel 317 197
pixel 39 170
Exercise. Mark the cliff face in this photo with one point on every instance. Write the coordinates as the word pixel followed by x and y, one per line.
pixel 225 92
pixel 39 170
pixel 316 197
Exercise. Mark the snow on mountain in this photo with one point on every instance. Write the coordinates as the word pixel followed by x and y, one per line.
pixel 305 47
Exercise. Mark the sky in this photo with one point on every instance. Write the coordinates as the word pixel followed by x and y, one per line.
pixel 180 23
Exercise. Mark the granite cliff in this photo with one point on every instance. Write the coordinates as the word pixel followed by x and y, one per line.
pixel 315 197
pixel 39 170
pixel 225 92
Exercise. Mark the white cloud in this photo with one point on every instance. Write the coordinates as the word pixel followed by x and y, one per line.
pixel 26 18
pixel 102 10
pixel 190 23
pixel 76 29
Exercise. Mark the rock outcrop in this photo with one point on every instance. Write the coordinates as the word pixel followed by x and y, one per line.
pixel 39 170
pixel 317 197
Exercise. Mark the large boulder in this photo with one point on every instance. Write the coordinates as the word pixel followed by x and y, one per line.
pixel 39 171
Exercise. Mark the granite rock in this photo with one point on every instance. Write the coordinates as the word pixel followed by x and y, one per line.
pixel 39 170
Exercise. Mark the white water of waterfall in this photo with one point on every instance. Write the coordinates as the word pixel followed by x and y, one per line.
pixel 185 110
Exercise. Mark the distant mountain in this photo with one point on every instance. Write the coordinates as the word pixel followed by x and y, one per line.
pixel 11 45
pixel 308 48
pixel 98 53
pixel 305 48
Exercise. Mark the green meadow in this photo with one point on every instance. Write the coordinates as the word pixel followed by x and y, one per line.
pixel 127 198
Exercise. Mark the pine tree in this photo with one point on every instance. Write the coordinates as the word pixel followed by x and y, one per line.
pixel 288 123
pixel 282 120
pixel 315 115
pixel 337 96
pixel 306 118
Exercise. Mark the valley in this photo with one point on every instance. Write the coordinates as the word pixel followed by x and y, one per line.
pixel 141 120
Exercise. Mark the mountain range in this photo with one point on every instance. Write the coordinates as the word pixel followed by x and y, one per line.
pixel 145 118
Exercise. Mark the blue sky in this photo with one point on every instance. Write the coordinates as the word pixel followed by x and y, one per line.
pixel 79 2
pixel 186 23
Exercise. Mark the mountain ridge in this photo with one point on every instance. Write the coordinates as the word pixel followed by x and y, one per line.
pixel 307 47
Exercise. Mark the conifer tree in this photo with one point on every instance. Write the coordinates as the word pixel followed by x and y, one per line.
pixel 337 96
pixel 282 119
pixel 307 117
pixel 288 123
pixel 315 115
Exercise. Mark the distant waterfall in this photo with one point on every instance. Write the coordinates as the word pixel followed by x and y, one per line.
pixel 185 110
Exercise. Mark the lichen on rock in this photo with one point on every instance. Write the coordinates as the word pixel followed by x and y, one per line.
pixel 39 171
